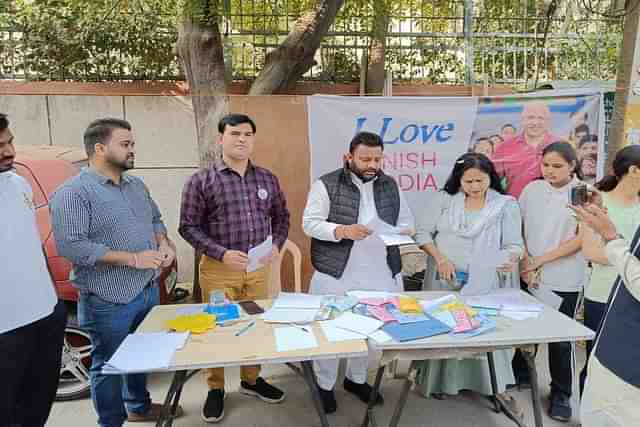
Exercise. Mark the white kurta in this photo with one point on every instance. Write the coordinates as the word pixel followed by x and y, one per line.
pixel 366 269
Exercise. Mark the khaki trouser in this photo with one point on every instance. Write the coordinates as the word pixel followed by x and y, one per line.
pixel 237 286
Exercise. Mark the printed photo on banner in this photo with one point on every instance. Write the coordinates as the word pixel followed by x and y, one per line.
pixel 513 131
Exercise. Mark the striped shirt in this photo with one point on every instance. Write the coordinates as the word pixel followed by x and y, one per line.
pixel 222 210
pixel 92 215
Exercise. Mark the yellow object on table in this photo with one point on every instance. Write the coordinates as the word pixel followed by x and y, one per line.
pixel 409 305
pixel 195 323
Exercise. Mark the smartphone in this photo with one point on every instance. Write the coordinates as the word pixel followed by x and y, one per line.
pixel 579 195
pixel 251 307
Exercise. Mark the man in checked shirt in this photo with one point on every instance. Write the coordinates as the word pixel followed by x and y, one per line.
pixel 226 210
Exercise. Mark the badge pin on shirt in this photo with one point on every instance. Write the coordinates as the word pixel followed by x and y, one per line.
pixel 28 201
pixel 262 194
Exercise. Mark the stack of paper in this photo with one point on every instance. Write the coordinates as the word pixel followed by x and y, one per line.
pixel 356 323
pixel 293 308
pixel 145 352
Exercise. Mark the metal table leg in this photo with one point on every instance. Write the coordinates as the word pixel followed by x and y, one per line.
pixel 529 355
pixel 494 382
pixel 310 379
pixel 171 401
pixel 369 416
pixel 397 412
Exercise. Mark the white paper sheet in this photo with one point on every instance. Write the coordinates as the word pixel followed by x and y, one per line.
pixel 396 239
pixel 145 352
pixel 334 334
pixel 389 234
pixel 361 324
pixel 287 300
pixel 289 315
pixel 380 336
pixel 504 301
pixel 259 252
pixel 547 296
pixel 289 338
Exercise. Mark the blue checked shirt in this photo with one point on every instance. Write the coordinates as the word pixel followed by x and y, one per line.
pixel 91 215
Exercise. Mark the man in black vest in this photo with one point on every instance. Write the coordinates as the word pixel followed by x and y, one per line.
pixel 340 211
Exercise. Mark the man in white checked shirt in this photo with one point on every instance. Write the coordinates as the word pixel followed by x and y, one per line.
pixel 32 320
pixel 106 223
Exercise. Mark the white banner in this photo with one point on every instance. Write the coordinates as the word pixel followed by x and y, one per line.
pixel 422 137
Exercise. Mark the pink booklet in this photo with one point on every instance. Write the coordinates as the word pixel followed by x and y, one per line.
pixel 380 313
pixel 463 322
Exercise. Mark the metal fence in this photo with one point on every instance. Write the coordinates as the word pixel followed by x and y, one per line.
pixel 432 41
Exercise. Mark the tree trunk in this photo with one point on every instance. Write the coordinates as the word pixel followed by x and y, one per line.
pixel 201 54
pixel 376 64
pixel 295 56
pixel 624 83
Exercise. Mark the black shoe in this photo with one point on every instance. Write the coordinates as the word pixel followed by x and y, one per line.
pixel 363 391
pixel 213 409
pixel 328 399
pixel 560 408
pixel 262 390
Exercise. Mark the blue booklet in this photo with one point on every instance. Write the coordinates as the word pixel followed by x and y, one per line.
pixel 416 330
pixel 224 312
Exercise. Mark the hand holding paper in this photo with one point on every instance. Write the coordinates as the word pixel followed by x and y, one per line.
pixel 256 254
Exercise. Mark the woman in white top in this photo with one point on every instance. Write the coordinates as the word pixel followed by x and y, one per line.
pixel 619 192
pixel 472 216
pixel 554 266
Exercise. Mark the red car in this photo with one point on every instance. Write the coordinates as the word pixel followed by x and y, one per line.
pixel 46 168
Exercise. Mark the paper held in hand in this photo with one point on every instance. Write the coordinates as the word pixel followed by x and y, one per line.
pixel 389 234
pixel 258 253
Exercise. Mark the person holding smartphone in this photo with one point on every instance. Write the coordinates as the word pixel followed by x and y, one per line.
pixel 472 215
pixel 611 397
pixel 554 264
pixel 619 193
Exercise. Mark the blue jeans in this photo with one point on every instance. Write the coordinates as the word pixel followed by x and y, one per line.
pixel 108 324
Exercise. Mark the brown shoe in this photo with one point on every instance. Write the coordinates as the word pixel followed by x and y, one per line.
pixel 152 414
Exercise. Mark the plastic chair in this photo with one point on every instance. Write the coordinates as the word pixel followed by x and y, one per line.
pixel 275 282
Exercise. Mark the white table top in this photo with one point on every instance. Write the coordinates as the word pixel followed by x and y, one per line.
pixel 550 326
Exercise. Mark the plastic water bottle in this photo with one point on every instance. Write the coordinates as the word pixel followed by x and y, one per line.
pixel 216 298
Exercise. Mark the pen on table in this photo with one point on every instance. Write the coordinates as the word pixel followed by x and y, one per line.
pixel 245 328
pixel 300 327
